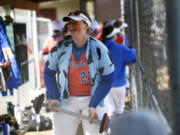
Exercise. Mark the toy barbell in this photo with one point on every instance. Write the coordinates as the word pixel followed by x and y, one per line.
pixel 104 123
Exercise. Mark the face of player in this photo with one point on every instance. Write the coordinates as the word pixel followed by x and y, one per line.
pixel 77 28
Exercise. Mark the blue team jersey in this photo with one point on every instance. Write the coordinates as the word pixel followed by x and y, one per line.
pixel 120 55
pixel 6 54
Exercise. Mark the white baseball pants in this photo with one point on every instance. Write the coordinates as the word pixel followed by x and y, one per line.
pixel 116 99
pixel 65 124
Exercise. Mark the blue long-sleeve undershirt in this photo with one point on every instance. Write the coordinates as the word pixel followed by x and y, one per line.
pixel 50 83
pixel 101 91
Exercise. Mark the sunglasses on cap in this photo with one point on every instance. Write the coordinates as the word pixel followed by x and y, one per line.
pixel 75 13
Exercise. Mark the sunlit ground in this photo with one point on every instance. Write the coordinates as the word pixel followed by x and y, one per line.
pixel 48 132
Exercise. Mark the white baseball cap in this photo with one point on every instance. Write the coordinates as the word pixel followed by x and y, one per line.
pixel 78 16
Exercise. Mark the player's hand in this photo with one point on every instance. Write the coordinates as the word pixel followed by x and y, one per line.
pixel 92 114
pixel 53 103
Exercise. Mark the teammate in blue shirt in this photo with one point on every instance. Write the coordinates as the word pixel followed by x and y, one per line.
pixel 121 55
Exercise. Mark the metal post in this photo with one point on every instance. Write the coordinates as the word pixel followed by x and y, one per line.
pixel 35 47
pixel 133 88
pixel 132 69
pixel 140 95
pixel 173 28
pixel 122 9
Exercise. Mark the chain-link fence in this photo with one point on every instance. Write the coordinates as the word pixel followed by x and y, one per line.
pixel 148 34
